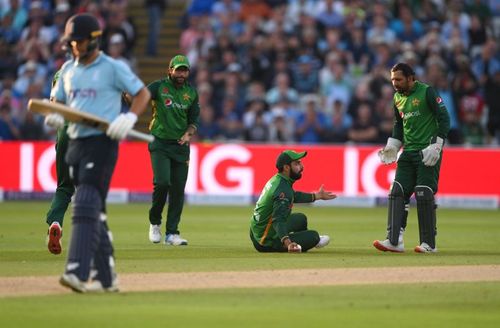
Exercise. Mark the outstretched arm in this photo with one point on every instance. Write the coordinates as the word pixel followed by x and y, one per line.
pixel 323 194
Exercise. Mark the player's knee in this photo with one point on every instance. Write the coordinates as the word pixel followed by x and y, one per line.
pixel 424 193
pixel 396 189
pixel 162 184
pixel 315 237
pixel 87 202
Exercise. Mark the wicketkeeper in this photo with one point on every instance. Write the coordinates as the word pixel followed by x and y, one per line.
pixel 421 124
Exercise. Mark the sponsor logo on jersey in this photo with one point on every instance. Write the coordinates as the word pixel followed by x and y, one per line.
pixel 164 90
pixel 168 102
pixel 83 93
pixel 439 100
pixel 411 114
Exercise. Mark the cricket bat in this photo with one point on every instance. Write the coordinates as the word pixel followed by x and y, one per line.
pixel 45 107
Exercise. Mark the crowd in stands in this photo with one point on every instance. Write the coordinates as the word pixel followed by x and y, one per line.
pixel 305 71
pixel 312 71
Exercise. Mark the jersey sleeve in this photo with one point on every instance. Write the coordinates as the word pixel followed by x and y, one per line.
pixel 153 88
pixel 126 80
pixel 436 105
pixel 397 128
pixel 303 197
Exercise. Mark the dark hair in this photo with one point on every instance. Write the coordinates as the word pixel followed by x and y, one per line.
pixel 405 68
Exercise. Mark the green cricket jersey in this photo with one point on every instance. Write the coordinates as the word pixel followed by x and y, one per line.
pixel 273 208
pixel 174 109
pixel 420 117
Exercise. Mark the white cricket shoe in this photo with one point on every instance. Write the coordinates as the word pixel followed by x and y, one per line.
pixel 425 248
pixel 70 280
pixel 323 241
pixel 386 246
pixel 154 233
pixel 175 240
pixel 95 286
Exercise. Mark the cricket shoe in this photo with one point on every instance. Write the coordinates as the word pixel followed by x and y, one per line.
pixel 54 235
pixel 323 241
pixel 386 246
pixel 425 248
pixel 70 280
pixel 175 240
pixel 154 233
pixel 95 286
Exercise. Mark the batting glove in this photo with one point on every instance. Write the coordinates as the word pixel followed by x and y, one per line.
pixel 54 120
pixel 389 153
pixel 121 126
pixel 432 153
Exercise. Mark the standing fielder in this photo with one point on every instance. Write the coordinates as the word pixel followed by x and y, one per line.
pixel 176 114
pixel 65 188
pixel 93 83
pixel 421 123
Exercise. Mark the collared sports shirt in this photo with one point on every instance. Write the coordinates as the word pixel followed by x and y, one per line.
pixel 174 109
pixel 273 208
pixel 420 116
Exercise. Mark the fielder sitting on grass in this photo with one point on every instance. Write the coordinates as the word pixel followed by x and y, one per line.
pixel 273 227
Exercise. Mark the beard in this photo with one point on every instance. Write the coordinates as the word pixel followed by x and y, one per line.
pixel 179 80
pixel 295 175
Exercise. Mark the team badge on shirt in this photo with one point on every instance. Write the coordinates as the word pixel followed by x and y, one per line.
pixel 186 96
pixel 415 102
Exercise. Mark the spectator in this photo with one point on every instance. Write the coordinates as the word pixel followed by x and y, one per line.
pixel 31 128
pixel 282 89
pixel 492 97
pixel 337 124
pixel 305 75
pixel 281 129
pixel 310 124
pixel 13 20
pixel 364 128
pixel 259 131
pixel 8 126
pixel 207 128
pixel 155 9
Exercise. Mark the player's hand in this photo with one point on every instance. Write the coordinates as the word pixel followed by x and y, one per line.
pixel 121 126
pixel 389 154
pixel 323 194
pixel 54 120
pixel 432 153
pixel 186 138
pixel 294 248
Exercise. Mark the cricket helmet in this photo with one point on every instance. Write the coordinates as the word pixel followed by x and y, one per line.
pixel 81 27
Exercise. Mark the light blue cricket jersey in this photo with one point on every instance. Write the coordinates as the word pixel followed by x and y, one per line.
pixel 95 89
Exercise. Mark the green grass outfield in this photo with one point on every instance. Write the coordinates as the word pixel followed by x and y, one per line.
pixel 218 241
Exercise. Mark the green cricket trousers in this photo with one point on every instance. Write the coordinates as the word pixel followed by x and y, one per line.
pixel 412 172
pixel 297 229
pixel 170 162
pixel 65 188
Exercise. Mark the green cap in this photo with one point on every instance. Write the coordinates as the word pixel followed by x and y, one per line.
pixel 287 157
pixel 178 61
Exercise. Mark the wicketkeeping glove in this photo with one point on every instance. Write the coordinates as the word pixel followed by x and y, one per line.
pixel 432 153
pixel 121 126
pixel 54 120
pixel 389 153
